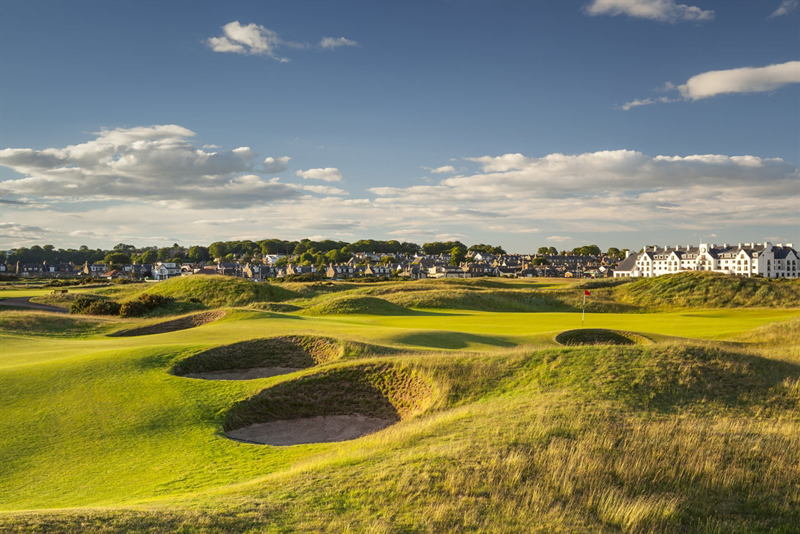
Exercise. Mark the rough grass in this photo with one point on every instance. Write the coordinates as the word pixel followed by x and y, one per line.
pixel 385 391
pixel 33 323
pixel 61 300
pixel 781 333
pixel 709 290
pixel 666 437
pixel 355 305
pixel 221 291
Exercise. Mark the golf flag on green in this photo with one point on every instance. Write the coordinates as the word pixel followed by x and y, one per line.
pixel 583 308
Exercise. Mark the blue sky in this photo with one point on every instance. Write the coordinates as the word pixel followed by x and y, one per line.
pixel 615 122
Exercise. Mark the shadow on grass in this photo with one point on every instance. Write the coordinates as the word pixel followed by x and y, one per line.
pixel 449 340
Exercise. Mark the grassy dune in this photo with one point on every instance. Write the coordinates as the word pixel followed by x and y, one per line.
pixel 708 290
pixel 217 291
pixel 498 427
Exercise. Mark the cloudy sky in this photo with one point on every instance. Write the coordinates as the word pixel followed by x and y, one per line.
pixel 615 122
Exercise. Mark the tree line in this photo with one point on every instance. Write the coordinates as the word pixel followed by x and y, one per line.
pixel 308 251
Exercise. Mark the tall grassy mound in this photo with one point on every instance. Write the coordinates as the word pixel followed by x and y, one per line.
pixel 32 323
pixel 710 290
pixel 460 299
pixel 356 305
pixel 221 291
pixel 663 377
pixel 291 351
pixel 599 336
pixel 382 390
pixel 782 333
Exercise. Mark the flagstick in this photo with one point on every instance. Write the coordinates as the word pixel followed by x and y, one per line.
pixel 583 309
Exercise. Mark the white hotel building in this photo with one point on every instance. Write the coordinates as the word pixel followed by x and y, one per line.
pixel 745 259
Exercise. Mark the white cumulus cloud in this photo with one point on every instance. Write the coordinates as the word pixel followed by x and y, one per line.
pixel 660 10
pixel 332 43
pixel 155 164
pixel 743 80
pixel 446 169
pixel 718 82
pixel 786 7
pixel 252 39
pixel 275 165
pixel 328 174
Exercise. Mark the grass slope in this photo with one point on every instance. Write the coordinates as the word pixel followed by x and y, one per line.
pixel 221 291
pixel 97 435
pixel 356 305
pixel 709 290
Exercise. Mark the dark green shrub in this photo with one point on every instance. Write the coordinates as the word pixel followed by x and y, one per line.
pixel 103 307
pixel 94 306
pixel 141 305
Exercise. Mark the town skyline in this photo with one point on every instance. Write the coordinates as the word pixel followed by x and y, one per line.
pixel 611 122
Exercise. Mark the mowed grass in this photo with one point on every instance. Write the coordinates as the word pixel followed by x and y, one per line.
pixel 697 432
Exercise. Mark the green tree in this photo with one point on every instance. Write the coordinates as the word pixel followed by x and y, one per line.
pixel 218 249
pixel 540 261
pixel 124 248
pixel 457 255
pixel 543 250
pixel 149 256
pixel 164 254
pixel 116 260
pixel 553 251
pixel 198 253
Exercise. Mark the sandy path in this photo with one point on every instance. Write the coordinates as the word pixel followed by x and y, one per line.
pixel 25 302
pixel 321 429
pixel 243 374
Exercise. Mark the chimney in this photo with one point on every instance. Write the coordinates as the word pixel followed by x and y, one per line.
pixel 627 253
pixel 724 245
pixel 740 245
pixel 790 245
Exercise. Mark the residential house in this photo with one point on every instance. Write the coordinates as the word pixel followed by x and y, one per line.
pixel 448 271
pixel 58 270
pixel 94 269
pixel 340 271
pixel 379 270
pixel 300 269
pixel 229 269
pixel 413 272
pixel 28 270
pixel 165 270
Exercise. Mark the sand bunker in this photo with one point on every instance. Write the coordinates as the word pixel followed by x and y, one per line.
pixel 332 405
pixel 599 336
pixel 184 323
pixel 320 429
pixel 243 374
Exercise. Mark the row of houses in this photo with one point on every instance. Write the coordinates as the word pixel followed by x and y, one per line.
pixel 361 264
pixel 743 259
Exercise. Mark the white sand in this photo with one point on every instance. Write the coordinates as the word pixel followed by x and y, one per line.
pixel 321 429
pixel 243 374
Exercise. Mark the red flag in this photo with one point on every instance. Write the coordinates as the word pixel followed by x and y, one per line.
pixel 586 293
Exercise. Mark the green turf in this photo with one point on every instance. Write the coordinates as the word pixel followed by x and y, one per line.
pixel 499 428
